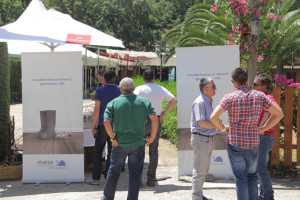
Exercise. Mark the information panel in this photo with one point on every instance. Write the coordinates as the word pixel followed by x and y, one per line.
pixel 193 64
pixel 52 117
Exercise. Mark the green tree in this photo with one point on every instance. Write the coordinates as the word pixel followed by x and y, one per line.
pixel 139 23
pixel 4 101
pixel 281 36
pixel 10 10
pixel 201 27
pixel 279 32
pixel 181 7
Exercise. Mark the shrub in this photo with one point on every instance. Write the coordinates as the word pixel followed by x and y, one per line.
pixel 15 80
pixel 4 100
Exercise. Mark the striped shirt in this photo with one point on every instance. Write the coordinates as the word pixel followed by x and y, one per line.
pixel 244 108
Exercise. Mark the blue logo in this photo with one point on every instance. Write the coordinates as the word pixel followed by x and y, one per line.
pixel 60 163
pixel 218 159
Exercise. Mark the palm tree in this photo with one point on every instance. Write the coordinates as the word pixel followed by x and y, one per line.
pixel 201 27
pixel 283 35
pixel 4 101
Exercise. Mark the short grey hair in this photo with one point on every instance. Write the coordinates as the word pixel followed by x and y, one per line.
pixel 265 80
pixel 203 83
pixel 127 85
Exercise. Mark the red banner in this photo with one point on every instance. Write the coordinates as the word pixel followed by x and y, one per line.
pixel 78 39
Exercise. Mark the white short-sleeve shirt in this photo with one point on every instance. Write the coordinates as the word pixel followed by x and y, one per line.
pixel 156 94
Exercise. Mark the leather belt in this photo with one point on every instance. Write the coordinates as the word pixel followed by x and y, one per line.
pixel 197 133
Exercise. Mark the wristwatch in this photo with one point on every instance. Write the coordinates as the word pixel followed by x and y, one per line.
pixel 112 139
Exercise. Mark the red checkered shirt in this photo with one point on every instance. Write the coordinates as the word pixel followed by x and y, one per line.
pixel 244 107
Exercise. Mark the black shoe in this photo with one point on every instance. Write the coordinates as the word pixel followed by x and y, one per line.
pixel 204 198
pixel 150 181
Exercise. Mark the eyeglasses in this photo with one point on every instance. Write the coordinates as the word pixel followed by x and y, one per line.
pixel 256 85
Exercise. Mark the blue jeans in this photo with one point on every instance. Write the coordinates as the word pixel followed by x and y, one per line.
pixel 100 141
pixel 153 149
pixel 265 146
pixel 244 164
pixel 136 156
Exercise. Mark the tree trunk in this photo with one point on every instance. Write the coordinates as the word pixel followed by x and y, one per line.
pixel 4 101
pixel 252 68
pixel 252 71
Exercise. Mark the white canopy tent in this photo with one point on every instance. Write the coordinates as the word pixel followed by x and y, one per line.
pixel 36 20
pixel 6 36
pixel 15 48
pixel 122 53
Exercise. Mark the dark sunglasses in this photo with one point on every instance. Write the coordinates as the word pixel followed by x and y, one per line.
pixel 256 85
pixel 214 87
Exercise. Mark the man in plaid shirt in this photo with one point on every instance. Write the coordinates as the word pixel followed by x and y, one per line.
pixel 244 107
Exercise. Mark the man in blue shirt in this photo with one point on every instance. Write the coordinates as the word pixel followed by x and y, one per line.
pixel 103 96
pixel 202 136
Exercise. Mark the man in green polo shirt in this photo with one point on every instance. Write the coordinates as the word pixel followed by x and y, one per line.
pixel 129 114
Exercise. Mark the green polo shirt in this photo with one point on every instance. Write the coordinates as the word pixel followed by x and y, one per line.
pixel 129 114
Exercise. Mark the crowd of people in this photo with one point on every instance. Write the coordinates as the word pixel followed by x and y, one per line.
pixel 128 118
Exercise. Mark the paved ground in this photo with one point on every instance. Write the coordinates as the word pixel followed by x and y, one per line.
pixel 170 189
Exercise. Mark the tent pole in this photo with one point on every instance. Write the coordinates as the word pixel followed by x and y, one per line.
pixel 109 60
pixel 85 73
pixel 98 61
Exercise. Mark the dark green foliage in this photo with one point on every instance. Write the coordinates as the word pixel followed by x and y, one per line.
pixel 15 80
pixel 169 126
pixel 10 10
pixel 4 100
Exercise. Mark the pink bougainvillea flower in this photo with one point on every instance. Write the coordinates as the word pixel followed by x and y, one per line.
pixel 272 17
pixel 259 47
pixel 240 9
pixel 230 35
pixel 211 6
pixel 232 3
pixel 229 42
pixel 252 50
pixel 266 44
pixel 260 58
pixel 279 17
pixel 258 14
pixel 278 31
pixel 216 4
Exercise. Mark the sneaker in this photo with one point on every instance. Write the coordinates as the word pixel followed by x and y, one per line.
pixel 204 198
pixel 92 181
pixel 150 181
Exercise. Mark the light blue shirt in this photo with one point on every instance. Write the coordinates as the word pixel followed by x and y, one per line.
pixel 201 110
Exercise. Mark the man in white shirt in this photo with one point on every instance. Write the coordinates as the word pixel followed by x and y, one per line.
pixel 156 94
